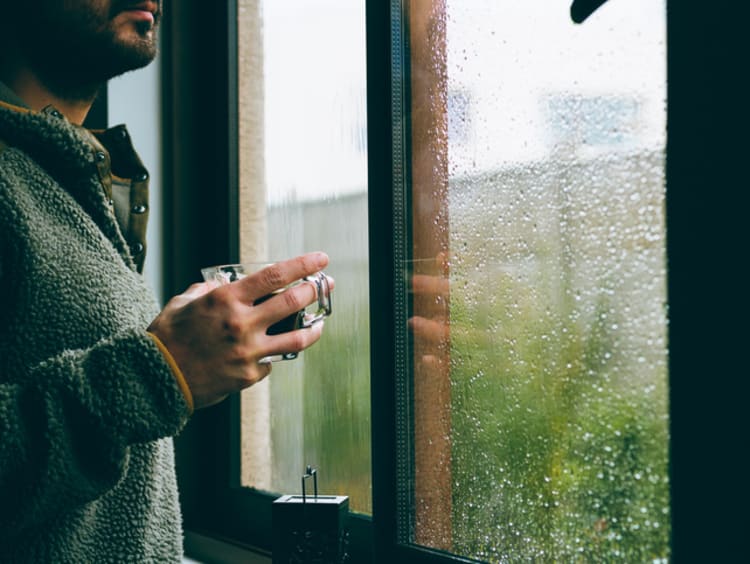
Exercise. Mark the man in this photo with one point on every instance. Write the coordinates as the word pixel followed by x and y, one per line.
pixel 94 381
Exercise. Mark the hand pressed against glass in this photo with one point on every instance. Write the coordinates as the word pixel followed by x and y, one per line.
pixel 430 288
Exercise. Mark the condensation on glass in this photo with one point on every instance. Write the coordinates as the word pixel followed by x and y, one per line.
pixel 540 422
pixel 303 187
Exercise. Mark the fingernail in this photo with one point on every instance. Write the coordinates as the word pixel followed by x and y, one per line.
pixel 321 259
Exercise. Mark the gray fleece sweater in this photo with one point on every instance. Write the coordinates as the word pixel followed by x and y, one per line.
pixel 88 403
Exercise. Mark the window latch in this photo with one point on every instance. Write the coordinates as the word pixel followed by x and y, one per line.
pixel 582 9
pixel 311 529
pixel 310 472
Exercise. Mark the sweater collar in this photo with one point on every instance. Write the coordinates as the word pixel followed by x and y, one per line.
pixel 9 97
pixel 47 136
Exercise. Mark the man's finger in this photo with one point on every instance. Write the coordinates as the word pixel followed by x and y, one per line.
pixel 426 284
pixel 432 331
pixel 287 302
pixel 293 341
pixel 278 276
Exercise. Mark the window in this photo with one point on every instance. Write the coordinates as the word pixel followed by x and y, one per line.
pixel 532 394
pixel 265 174
pixel 303 187
pixel 572 281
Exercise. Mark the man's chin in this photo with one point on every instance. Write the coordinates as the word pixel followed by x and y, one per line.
pixel 137 39
pixel 82 81
pixel 130 53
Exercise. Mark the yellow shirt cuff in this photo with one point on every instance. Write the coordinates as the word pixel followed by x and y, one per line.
pixel 181 382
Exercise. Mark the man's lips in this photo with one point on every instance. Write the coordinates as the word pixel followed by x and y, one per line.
pixel 147 6
pixel 146 11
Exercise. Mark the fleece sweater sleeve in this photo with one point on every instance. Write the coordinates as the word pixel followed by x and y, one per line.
pixel 66 426
pixel 178 375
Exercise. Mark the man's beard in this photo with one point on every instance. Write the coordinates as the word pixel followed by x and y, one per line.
pixel 75 53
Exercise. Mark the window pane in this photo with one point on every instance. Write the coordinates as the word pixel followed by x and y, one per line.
pixel 540 420
pixel 303 160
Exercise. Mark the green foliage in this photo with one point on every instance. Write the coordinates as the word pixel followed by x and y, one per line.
pixel 559 444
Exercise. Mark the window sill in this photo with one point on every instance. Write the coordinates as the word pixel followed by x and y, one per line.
pixel 202 549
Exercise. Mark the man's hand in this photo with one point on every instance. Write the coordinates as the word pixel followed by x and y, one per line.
pixel 217 336
pixel 430 324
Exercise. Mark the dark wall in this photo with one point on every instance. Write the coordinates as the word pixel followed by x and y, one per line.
pixel 707 206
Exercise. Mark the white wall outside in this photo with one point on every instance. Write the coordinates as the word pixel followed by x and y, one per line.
pixel 135 100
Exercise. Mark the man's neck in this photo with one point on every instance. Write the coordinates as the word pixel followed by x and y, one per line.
pixel 37 96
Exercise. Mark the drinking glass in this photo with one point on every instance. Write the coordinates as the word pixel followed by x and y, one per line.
pixel 227 273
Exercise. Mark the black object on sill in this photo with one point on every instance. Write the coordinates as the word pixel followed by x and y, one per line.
pixel 310 529
pixel 582 9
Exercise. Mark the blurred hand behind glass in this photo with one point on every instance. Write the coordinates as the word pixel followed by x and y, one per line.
pixel 430 322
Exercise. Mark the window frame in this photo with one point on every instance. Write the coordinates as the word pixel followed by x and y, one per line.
pixel 202 187
pixel 707 120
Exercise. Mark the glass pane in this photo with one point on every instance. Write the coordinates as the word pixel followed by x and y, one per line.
pixel 303 160
pixel 540 414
